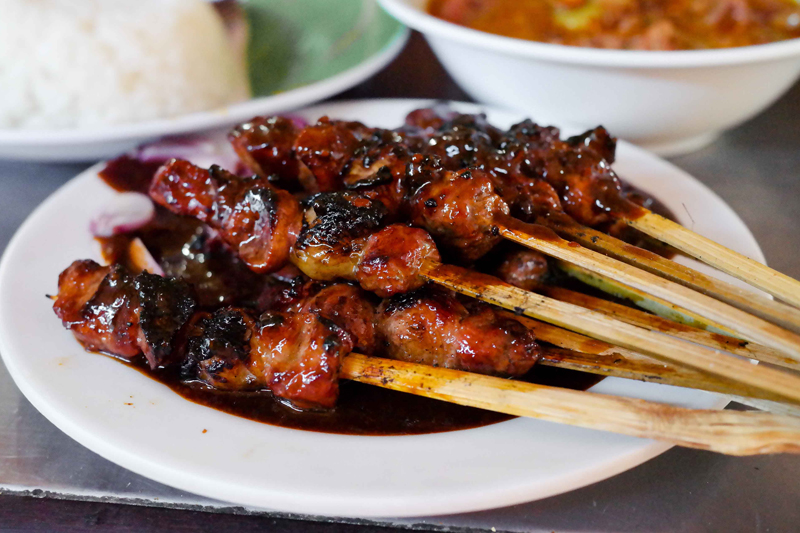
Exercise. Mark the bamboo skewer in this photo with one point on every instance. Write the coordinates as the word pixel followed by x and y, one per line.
pixel 748 326
pixel 645 301
pixel 583 354
pixel 600 326
pixel 729 432
pixel 746 300
pixel 642 368
pixel 740 266
pixel 655 323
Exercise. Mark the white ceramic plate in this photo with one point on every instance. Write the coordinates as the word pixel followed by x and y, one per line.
pixel 300 52
pixel 143 426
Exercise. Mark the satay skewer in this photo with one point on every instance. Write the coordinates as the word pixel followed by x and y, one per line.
pixel 728 432
pixel 737 265
pixel 748 326
pixel 642 300
pixel 583 354
pixel 752 302
pixel 639 318
pixel 599 326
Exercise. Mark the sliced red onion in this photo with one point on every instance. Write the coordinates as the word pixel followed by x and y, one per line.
pixel 128 212
pixel 297 120
pixel 202 150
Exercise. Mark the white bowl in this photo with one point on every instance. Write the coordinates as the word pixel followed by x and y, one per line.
pixel 668 102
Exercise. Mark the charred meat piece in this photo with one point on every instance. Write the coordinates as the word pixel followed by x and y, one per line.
pixel 218 350
pixel 587 187
pixel 459 210
pixel 393 258
pixel 258 221
pixel 531 198
pixel 297 356
pixel 597 140
pixel 422 169
pixel 435 328
pixel 523 268
pixel 380 173
pixel 458 147
pixel 77 284
pixel 165 305
pixel 110 311
pixel 346 305
pixel 266 146
pixel 325 151
pixel 441 119
pixel 335 229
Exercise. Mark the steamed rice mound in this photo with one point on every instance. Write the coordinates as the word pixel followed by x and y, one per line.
pixel 90 63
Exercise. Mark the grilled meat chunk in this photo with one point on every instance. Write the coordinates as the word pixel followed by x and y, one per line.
pixel 259 222
pixel 164 306
pixel 335 229
pixel 346 305
pixel 460 210
pixel 325 151
pixel 392 259
pixel 110 311
pixel 218 349
pixel 98 305
pixel 523 268
pixel 435 328
pixel 266 146
pixel 297 356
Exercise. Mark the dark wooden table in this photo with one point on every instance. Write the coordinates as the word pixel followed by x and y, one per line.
pixel 754 168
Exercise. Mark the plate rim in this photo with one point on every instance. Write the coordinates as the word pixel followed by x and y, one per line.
pixel 507 496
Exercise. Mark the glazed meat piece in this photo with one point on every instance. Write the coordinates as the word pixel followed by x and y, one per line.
pixel 523 268
pixel 393 258
pixel 380 173
pixel 435 328
pixel 428 121
pixel 297 356
pixel 588 189
pixel 110 311
pixel 325 150
pixel 459 210
pixel 335 229
pixel 266 146
pixel 346 305
pixel 597 140
pixel 459 147
pixel 259 222
pixel 97 304
pixel 422 169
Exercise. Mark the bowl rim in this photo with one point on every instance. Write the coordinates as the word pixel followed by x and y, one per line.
pixel 418 19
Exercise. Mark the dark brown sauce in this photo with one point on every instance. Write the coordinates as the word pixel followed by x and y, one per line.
pixel 126 173
pixel 362 409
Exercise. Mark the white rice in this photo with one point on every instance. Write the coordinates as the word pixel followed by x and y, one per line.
pixel 89 63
